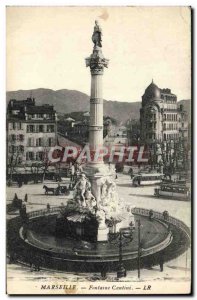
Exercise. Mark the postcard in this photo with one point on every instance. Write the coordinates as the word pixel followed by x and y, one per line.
pixel 99 150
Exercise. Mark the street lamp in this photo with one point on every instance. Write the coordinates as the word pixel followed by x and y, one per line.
pixel 123 237
pixel 139 246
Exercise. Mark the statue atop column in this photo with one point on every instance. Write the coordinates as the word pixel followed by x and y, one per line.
pixel 97 35
pixel 97 62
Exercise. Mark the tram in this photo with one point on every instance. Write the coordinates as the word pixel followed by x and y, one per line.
pixel 147 179
pixel 173 191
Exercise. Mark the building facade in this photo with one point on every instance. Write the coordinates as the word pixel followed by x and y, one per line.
pixel 31 131
pixel 160 117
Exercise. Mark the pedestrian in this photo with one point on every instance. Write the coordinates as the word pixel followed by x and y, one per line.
pixel 15 197
pixel 48 206
pixel 161 263
pixel 70 187
pixel 26 198
pixel 72 173
pixel 131 172
pixel 20 183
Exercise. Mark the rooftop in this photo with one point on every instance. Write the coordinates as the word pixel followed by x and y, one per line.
pixel 17 109
pixel 39 109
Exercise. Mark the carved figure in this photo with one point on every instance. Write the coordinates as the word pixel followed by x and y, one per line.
pixel 96 37
pixel 80 189
pixel 104 194
pixel 90 199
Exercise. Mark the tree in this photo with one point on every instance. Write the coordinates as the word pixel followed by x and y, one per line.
pixel 13 161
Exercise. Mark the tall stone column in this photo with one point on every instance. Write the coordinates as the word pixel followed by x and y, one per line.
pixel 97 63
pixel 96 169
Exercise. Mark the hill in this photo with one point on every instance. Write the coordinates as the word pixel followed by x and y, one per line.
pixel 66 101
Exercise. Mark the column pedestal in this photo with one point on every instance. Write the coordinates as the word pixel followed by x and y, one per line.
pixel 102 234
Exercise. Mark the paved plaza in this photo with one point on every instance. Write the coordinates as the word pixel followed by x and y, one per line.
pixel 132 196
pixel 129 195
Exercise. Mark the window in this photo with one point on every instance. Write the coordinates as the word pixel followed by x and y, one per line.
pixel 50 128
pixel 21 148
pixel 30 142
pixel 41 128
pixel 39 116
pixel 29 156
pixel 12 149
pixel 50 142
pixel 13 138
pixel 19 125
pixel 39 155
pixel 21 137
pixel 39 142
pixel 30 128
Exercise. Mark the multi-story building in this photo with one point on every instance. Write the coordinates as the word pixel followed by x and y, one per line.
pixel 133 131
pixel 31 131
pixel 160 116
pixel 77 130
pixel 183 125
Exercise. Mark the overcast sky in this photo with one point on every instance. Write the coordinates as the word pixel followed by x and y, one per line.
pixel 46 47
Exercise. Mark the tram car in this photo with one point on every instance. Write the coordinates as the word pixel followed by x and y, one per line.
pixel 144 179
pixel 173 191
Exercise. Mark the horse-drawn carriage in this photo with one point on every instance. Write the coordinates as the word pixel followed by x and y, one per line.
pixel 56 190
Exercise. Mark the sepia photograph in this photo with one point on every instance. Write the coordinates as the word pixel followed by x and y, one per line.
pixel 98 150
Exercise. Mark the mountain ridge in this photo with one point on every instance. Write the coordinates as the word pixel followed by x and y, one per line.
pixel 66 101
